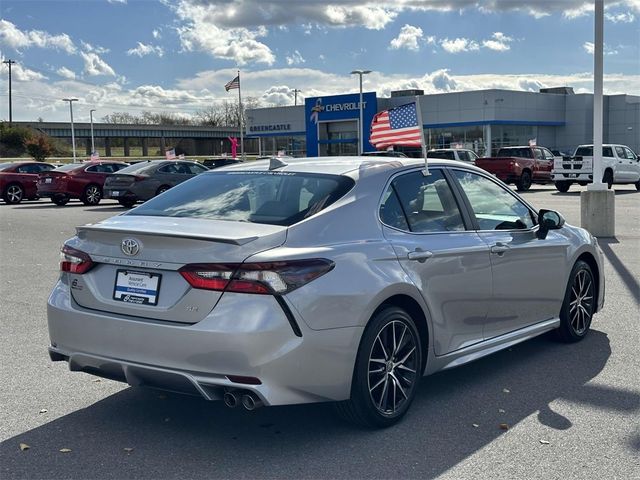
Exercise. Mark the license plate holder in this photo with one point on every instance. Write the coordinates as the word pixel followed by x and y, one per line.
pixel 136 287
pixel 115 193
pixel 48 180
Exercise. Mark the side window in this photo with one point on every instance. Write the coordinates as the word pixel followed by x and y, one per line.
pixel 495 207
pixel 28 169
pixel 538 153
pixel 462 155
pixel 630 154
pixel 620 152
pixel 547 154
pixel 428 202
pixel 94 169
pixel 171 168
pixel 196 169
pixel 45 167
pixel 607 152
pixel 473 156
pixel 391 212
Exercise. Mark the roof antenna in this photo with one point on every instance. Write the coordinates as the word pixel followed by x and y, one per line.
pixel 276 163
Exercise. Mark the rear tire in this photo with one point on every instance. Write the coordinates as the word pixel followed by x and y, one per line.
pixel 162 189
pixel 60 200
pixel 563 186
pixel 608 179
pixel 387 371
pixel 637 184
pixel 13 194
pixel 524 183
pixel 127 202
pixel 92 195
pixel 579 304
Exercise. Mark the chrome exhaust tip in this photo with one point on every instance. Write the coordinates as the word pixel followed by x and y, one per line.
pixel 231 399
pixel 250 401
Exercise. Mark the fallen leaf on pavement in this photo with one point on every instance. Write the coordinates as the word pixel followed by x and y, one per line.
pixel 43 410
pixel 65 450
pixel 504 426
pixel 544 442
pixel 24 446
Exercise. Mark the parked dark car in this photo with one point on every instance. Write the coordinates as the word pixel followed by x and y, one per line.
pixel 145 180
pixel 211 163
pixel 77 180
pixel 18 180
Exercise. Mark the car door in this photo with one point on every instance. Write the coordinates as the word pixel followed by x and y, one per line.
pixel 28 177
pixel 634 164
pixel 547 166
pixel 528 274
pixel 170 175
pixel 623 165
pixel 448 263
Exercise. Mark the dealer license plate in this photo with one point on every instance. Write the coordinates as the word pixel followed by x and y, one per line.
pixel 115 193
pixel 48 180
pixel 140 288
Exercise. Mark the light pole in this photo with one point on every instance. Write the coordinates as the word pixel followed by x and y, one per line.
pixel 73 135
pixel 360 73
pixel 93 146
pixel 295 95
pixel 9 63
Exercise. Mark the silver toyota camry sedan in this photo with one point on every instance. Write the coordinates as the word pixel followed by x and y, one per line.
pixel 322 279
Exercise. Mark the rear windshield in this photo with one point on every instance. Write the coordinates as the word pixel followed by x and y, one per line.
pixel 69 166
pixel 275 198
pixel 445 154
pixel 137 167
pixel 515 152
pixel 588 152
pixel 4 166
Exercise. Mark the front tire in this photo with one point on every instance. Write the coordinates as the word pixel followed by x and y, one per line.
pixel 387 371
pixel 608 179
pixel 579 304
pixel 637 184
pixel 13 194
pixel 524 183
pixel 60 200
pixel 563 186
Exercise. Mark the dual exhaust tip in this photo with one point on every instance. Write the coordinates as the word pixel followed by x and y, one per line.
pixel 249 400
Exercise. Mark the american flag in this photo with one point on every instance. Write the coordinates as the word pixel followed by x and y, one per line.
pixel 170 154
pixel 235 83
pixel 396 126
pixel 95 156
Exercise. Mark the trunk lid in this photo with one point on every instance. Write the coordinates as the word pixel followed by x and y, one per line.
pixel 165 245
pixel 120 180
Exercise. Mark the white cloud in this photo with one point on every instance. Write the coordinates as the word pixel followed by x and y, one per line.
pixel 200 32
pixel 442 81
pixel 280 95
pixel 295 58
pixel 156 33
pixel 589 47
pixel 625 17
pixel 64 72
pixel 408 38
pixel 94 65
pixel 459 45
pixel 117 1
pixel 141 50
pixel 498 42
pixel 86 46
pixel 15 38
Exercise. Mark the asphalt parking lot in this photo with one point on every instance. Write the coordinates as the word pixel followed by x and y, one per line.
pixel 573 411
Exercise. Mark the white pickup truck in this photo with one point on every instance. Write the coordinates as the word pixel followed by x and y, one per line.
pixel 619 165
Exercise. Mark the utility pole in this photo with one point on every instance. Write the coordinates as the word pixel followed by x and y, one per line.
pixel 73 135
pixel 360 73
pixel 295 95
pixel 9 62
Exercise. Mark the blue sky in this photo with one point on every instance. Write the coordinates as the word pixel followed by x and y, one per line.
pixel 176 55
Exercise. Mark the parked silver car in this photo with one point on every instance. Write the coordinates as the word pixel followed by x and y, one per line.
pixel 145 180
pixel 324 279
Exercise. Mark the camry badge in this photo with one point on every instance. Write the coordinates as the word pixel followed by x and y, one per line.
pixel 130 247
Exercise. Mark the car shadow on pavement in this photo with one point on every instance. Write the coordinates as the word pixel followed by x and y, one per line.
pixel 175 436
pixel 626 275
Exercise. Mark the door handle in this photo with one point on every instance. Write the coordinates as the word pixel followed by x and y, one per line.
pixel 420 255
pixel 500 248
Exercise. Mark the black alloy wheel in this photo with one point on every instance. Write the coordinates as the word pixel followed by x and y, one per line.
pixel 637 184
pixel 13 194
pixel 387 371
pixel 92 195
pixel 60 199
pixel 579 304
pixel 524 183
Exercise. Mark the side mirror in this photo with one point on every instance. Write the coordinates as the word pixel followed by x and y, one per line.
pixel 548 220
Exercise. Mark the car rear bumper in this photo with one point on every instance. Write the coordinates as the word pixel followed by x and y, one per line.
pixel 245 335
pixel 571 176
pixel 118 193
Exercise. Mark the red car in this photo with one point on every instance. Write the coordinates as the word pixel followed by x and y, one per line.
pixel 77 180
pixel 18 180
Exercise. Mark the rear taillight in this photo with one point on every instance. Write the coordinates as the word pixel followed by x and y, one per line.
pixel 74 261
pixel 273 278
pixel 139 178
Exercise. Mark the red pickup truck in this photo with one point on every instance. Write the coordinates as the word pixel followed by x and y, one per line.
pixel 520 165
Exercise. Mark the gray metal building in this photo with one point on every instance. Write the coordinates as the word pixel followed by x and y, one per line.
pixel 557 118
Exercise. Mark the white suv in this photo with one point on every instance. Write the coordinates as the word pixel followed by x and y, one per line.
pixel 460 154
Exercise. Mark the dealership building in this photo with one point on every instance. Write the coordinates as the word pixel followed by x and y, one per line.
pixel 556 118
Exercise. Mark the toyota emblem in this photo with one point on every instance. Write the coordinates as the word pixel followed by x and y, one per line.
pixel 130 247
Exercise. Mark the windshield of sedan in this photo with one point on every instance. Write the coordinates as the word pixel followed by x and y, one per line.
pixel 274 198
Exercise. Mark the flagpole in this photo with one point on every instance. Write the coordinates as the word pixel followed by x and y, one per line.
pixel 425 172
pixel 241 119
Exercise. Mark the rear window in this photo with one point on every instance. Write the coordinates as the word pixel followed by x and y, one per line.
pixel 588 152
pixel 275 198
pixel 515 152
pixel 4 166
pixel 445 154
pixel 137 167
